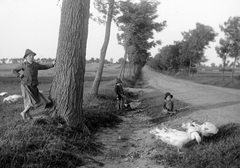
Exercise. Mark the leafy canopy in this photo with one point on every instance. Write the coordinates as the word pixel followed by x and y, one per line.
pixel 195 42
pixel 137 25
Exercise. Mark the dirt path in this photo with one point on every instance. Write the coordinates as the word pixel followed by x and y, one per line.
pixel 132 146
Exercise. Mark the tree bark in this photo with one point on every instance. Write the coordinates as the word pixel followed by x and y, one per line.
pixel 67 87
pixel 233 69
pixel 122 71
pixel 223 70
pixel 96 82
pixel 189 68
pixel 121 74
pixel 125 61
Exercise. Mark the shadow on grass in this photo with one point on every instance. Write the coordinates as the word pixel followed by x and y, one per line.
pixel 221 150
pixel 43 143
pixel 158 117
pixel 97 118
pixel 152 104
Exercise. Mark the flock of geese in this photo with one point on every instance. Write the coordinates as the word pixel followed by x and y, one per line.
pixel 178 138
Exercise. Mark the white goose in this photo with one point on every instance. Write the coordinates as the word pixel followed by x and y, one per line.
pixel 12 98
pixel 175 137
pixel 205 129
pixel 3 93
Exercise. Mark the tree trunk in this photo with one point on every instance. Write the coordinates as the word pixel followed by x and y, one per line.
pixel 67 87
pixel 124 67
pixel 96 82
pixel 122 72
pixel 233 69
pixel 125 60
pixel 223 70
pixel 131 69
pixel 189 68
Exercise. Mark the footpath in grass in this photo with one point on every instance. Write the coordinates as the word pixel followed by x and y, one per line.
pixel 130 144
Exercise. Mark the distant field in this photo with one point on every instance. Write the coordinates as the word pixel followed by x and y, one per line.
pixel 217 73
pixel 11 84
pixel 90 70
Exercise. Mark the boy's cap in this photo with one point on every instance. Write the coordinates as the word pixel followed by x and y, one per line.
pixel 168 94
pixel 27 52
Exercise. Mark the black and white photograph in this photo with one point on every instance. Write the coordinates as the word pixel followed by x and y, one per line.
pixel 120 84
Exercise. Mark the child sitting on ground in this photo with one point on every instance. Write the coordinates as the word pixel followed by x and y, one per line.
pixel 168 104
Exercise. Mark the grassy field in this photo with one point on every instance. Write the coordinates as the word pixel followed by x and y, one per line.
pixel 45 143
pixel 91 69
pixel 214 77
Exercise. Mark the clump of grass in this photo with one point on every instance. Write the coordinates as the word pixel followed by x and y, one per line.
pixel 221 150
pixel 102 113
pixel 42 143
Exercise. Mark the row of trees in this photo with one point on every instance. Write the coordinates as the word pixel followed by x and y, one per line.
pixel 230 44
pixel 184 54
pixel 19 60
pixel 97 60
pixel 50 60
pixel 136 22
pixel 137 25
pixel 189 52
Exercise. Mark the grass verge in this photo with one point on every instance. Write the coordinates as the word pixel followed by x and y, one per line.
pixel 44 142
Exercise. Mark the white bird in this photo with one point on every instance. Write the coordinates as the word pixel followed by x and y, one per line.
pixel 205 129
pixel 175 137
pixel 12 98
pixel 3 93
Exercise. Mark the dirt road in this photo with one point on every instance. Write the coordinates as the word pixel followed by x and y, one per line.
pixel 132 146
pixel 208 103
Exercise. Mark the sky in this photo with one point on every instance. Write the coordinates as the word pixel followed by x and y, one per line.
pixel 34 24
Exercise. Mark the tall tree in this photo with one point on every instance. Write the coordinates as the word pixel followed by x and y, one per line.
pixel 223 51
pixel 231 29
pixel 101 6
pixel 169 56
pixel 194 43
pixel 67 87
pixel 137 23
